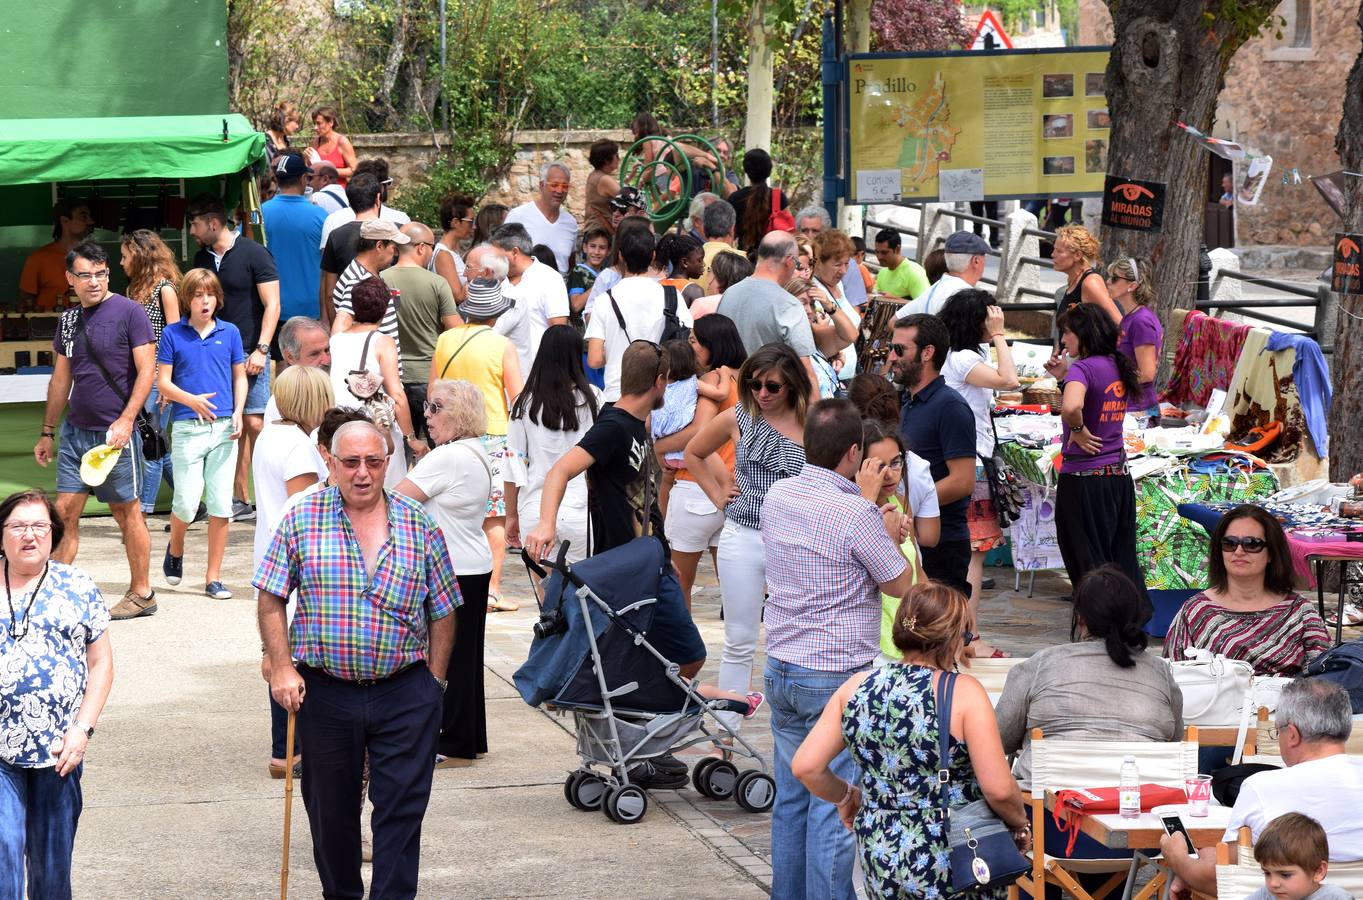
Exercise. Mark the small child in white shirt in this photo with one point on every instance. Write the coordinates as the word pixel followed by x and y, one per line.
pixel 684 388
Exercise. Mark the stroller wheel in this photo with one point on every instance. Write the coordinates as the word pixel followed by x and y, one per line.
pixel 718 779
pixel 755 791
pixel 584 790
pixel 626 804
pixel 698 780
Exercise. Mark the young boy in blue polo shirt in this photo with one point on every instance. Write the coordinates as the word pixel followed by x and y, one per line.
pixel 203 373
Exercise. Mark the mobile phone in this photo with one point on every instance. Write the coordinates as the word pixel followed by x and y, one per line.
pixel 1174 825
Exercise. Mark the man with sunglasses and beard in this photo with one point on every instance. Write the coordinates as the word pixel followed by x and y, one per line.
pixel 938 425
pixel 372 637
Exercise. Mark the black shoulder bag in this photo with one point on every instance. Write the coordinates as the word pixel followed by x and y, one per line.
pixel 1005 484
pixel 154 444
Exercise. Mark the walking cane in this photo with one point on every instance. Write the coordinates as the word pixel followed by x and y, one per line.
pixel 288 808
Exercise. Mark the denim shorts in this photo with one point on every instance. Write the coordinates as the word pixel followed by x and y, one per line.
pixel 257 392
pixel 124 483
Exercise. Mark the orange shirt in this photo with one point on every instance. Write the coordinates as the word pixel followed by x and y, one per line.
pixel 44 275
pixel 727 452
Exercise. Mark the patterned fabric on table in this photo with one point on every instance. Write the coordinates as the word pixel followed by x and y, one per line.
pixel 42 681
pixel 1173 551
pixel 348 623
pixel 1205 359
pixel 890 726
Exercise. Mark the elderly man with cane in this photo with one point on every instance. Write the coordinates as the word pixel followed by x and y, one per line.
pixel 371 636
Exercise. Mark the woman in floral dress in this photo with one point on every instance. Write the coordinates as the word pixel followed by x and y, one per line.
pixel 887 718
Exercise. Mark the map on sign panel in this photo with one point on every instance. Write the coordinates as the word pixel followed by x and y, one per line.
pixel 928 135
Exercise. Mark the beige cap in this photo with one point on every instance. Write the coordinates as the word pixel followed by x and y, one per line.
pixel 382 230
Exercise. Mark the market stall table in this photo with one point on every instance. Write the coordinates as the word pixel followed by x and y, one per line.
pixel 1145 831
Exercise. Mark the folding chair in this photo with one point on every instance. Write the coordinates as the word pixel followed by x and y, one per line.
pixel 1239 874
pixel 1059 765
pixel 992 673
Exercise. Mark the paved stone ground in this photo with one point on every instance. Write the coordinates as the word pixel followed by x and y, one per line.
pixel 178 803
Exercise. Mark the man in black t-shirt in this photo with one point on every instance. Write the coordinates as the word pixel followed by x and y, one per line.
pixel 617 455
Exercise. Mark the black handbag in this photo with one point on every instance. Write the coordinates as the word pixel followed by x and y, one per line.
pixel 980 846
pixel 154 445
pixel 1006 487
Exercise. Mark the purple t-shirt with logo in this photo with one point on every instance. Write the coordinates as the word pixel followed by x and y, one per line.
pixel 1141 327
pixel 1104 411
pixel 113 328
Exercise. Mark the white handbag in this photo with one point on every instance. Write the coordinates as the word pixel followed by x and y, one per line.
pixel 1218 692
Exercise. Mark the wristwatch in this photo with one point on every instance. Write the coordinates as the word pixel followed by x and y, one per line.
pixel 88 729
pixel 443 682
pixel 263 348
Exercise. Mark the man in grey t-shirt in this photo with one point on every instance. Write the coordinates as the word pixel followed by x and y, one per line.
pixel 763 311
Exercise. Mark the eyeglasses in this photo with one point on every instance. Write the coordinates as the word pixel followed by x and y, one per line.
pixel 1248 544
pixel 896 463
pixel 351 463
pixel 557 185
pixel 39 529
pixel 430 244
pixel 969 638
pixel 468 219
pixel 773 387
pixel 431 406
pixel 91 277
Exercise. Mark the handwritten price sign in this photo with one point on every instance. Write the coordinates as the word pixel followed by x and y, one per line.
pixel 878 185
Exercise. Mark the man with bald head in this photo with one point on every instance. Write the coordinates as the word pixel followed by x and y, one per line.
pixel 764 311
pixel 425 309
pixel 327 191
pixel 363 663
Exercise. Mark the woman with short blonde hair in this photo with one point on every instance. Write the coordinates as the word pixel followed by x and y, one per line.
pixel 1075 256
pixel 454 481
pixel 1131 284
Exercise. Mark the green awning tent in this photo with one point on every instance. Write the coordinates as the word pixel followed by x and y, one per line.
pixel 37 153
pixel 128 156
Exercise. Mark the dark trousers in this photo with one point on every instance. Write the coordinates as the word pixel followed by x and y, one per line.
pixel 416 394
pixel 989 209
pixel 949 563
pixel 396 722
pixel 1095 524
pixel 39 810
pixel 463 720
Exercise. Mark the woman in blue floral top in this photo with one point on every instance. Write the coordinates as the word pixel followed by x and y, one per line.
pixel 887 719
pixel 55 671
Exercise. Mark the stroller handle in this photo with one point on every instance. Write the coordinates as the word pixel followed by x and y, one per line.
pixel 559 565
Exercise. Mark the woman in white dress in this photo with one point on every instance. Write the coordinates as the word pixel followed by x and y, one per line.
pixel 549 417
pixel 361 348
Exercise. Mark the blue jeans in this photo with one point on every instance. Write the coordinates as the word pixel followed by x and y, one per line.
pixel 38 814
pixel 811 853
pixel 154 470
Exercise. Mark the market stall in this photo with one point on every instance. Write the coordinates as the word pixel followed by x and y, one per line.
pixel 131 172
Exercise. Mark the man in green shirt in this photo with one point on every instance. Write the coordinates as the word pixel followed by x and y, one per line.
pixel 898 277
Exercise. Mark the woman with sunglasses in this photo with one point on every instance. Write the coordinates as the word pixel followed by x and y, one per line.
pixel 767 428
pixel 456 224
pixel 1249 610
pixel 1129 283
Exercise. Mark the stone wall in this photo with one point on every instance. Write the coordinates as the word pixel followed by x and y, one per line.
pixel 408 156
pixel 1284 101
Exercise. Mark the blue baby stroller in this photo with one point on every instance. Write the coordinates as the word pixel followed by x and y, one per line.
pixel 628 701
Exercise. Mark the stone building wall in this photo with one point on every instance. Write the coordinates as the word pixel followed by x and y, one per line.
pixel 1284 101
pixel 408 156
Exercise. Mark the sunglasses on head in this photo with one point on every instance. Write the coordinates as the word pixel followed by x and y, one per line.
pixel 773 387
pixel 1248 544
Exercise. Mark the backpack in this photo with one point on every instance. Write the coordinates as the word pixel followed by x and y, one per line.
pixel 780 219
pixel 1344 666
pixel 673 329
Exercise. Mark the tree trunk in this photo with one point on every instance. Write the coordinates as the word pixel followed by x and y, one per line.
pixel 1168 65
pixel 859 26
pixel 383 100
pixel 757 134
pixel 1346 414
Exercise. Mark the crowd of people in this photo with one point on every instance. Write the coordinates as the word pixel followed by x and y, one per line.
pixel 406 401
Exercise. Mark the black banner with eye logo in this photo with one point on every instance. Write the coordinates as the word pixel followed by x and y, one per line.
pixel 1131 204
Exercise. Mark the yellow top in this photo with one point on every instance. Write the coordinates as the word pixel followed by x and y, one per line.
pixel 474 353
pixel 889 604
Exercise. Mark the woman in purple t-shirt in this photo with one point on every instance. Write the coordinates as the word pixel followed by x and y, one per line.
pixel 1095 508
pixel 1141 338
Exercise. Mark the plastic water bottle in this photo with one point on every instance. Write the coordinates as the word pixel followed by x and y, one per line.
pixel 1129 790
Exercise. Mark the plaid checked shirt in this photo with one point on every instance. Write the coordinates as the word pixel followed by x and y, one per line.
pixel 826 553
pixel 352 629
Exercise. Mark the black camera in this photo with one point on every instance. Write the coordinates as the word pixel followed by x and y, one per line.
pixel 551 623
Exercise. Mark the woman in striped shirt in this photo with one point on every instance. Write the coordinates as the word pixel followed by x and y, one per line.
pixel 1250 611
